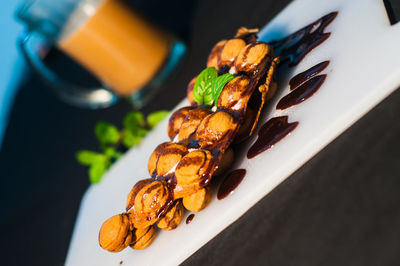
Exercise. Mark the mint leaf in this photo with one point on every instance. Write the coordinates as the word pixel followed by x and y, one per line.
pixel 208 97
pixel 139 132
pixel 118 155
pixel 89 157
pixel 129 139
pixel 106 133
pixel 133 120
pixel 97 170
pixel 202 88
pixel 218 84
pixel 110 152
pixel 154 118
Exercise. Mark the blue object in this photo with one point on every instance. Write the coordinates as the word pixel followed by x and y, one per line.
pixel 12 67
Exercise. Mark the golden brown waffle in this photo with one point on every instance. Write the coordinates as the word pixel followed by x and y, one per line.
pixel 201 136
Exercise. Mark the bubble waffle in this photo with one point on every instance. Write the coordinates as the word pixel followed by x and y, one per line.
pixel 181 169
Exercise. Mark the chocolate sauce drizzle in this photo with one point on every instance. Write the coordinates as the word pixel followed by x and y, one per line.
pixel 270 133
pixel 294 47
pixel 306 75
pixel 305 91
pixel 230 183
pixel 189 218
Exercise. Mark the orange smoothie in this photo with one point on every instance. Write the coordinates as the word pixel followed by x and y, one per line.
pixel 116 44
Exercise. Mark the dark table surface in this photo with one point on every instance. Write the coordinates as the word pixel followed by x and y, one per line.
pixel 340 208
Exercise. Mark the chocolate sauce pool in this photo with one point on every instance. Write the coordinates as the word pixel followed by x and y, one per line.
pixel 294 47
pixel 306 75
pixel 230 183
pixel 270 133
pixel 189 218
pixel 305 91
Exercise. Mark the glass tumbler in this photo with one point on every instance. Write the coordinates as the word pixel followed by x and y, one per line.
pixel 130 56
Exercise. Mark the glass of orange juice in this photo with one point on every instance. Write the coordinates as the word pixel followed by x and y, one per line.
pixel 129 55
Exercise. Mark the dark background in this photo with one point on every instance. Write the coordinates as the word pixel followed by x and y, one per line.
pixel 340 208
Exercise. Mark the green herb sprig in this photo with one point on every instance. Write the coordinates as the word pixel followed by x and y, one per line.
pixel 113 142
pixel 209 85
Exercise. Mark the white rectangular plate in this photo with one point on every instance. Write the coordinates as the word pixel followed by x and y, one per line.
pixel 364 68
